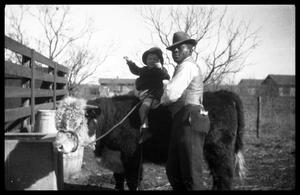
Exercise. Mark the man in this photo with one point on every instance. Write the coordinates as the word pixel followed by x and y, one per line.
pixel 184 94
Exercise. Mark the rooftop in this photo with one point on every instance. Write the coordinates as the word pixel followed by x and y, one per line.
pixel 282 79
pixel 250 82
pixel 106 81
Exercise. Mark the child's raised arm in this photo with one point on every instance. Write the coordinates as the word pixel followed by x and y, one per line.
pixel 132 66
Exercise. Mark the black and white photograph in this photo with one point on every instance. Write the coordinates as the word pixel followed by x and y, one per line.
pixel 157 97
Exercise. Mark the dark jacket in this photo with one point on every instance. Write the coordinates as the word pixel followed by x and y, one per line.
pixel 150 78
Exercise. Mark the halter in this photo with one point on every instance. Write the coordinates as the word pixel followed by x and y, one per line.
pixel 122 120
pixel 74 135
pixel 110 130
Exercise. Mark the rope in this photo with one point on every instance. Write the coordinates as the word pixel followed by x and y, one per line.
pixel 116 125
pixel 121 121
pixel 141 155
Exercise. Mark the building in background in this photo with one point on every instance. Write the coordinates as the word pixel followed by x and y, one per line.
pixel 116 85
pixel 107 88
pixel 272 85
pixel 278 85
pixel 249 86
pixel 88 91
pixel 228 87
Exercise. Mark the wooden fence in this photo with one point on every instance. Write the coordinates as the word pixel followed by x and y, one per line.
pixel 38 83
pixel 266 115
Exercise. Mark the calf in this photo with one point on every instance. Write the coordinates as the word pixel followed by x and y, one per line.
pixel 120 152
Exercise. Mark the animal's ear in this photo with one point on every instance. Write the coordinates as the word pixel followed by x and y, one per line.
pixel 92 111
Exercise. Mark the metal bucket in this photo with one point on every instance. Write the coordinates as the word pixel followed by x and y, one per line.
pixel 72 162
pixel 45 122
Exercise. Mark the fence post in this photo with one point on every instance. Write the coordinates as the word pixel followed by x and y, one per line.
pixel 258 115
pixel 32 90
pixel 25 101
pixel 66 86
pixel 54 92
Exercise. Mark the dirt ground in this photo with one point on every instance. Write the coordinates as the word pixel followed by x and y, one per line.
pixel 270 163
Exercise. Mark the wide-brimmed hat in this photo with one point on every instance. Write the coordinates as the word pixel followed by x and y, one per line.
pixel 180 38
pixel 155 50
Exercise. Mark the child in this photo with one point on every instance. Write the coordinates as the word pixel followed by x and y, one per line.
pixel 150 81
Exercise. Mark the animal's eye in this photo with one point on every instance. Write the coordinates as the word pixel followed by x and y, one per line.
pixel 69 135
pixel 92 113
pixel 60 134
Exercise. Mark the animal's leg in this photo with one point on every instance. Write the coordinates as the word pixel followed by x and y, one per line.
pixel 132 169
pixel 119 179
pixel 222 182
pixel 221 165
pixel 131 177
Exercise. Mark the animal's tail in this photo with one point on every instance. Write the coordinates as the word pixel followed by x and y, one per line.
pixel 240 165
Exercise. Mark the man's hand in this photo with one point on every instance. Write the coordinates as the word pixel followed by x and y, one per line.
pixel 165 82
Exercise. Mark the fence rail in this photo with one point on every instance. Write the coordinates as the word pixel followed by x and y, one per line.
pixel 26 92
pixel 15 71
pixel 36 79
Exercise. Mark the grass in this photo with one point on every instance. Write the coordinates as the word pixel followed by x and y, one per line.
pixel 270 161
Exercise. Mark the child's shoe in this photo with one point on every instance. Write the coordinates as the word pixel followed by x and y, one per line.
pixel 145 134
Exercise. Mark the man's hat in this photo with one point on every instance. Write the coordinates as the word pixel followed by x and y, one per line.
pixel 180 38
pixel 155 50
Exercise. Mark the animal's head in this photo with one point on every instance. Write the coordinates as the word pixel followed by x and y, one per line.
pixel 76 124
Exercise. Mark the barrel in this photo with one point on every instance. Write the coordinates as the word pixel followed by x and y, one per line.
pixel 45 122
pixel 72 162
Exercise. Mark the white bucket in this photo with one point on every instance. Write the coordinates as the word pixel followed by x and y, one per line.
pixel 45 122
pixel 72 162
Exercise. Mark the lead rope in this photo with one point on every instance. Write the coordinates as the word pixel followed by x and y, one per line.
pixel 116 125
pixel 121 121
pixel 141 156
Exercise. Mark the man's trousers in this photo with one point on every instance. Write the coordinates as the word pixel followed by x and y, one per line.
pixel 185 157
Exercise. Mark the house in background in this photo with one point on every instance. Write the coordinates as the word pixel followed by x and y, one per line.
pixel 88 91
pixel 249 86
pixel 116 85
pixel 278 85
pixel 105 88
pixel 272 85
pixel 228 87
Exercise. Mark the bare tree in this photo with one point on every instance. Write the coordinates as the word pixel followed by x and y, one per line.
pixel 83 64
pixel 223 46
pixel 16 32
pixel 58 41
pixel 57 30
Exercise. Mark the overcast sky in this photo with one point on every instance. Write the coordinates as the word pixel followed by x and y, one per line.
pixel 123 25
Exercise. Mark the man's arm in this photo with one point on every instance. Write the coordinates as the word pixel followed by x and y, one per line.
pixel 180 81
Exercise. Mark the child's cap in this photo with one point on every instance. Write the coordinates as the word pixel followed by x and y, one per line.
pixel 155 50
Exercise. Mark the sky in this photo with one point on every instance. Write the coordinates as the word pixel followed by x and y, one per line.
pixel 125 28
pixel 276 54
